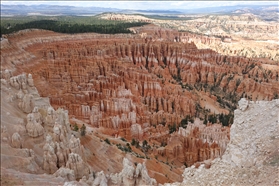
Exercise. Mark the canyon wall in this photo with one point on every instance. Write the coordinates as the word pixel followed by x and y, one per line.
pixel 133 86
pixel 43 146
pixel 235 35
pixel 248 159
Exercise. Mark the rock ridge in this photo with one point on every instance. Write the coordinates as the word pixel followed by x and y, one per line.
pixel 249 159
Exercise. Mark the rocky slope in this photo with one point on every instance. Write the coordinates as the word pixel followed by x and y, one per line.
pixel 136 86
pixel 121 87
pixel 196 143
pixel 37 139
pixel 236 34
pixel 249 159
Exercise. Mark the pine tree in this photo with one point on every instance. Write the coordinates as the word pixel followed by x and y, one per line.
pixel 75 127
pixel 83 130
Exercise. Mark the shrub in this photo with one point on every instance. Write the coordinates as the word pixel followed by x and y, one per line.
pixel 276 96
pixel 172 128
pixel 133 142
pixel 123 139
pixel 83 130
pixel 107 141
pixel 75 127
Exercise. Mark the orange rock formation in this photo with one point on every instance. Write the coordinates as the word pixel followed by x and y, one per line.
pixel 130 84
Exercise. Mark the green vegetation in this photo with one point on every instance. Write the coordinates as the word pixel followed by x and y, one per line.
pixel 184 122
pixel 225 119
pixel 212 118
pixel 83 130
pixel 172 128
pixel 124 148
pixel 145 148
pixel 107 141
pixel 275 95
pixel 75 127
pixel 187 86
pixel 135 143
pixel 163 144
pixel 67 24
pixel 123 139
pixel 205 121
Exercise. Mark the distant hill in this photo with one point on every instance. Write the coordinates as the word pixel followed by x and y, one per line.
pixel 23 10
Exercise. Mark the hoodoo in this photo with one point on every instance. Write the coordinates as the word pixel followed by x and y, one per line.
pixel 171 99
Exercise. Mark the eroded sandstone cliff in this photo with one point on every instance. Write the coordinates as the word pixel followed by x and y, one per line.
pixel 251 157
pixel 43 142
pixel 122 87
pixel 127 85
pixel 237 34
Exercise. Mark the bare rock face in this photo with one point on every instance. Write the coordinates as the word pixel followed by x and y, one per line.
pixel 27 104
pixel 37 115
pixel 132 86
pixel 131 175
pixel 16 141
pixel 118 83
pixel 14 82
pixel 100 179
pixel 57 145
pixel 20 95
pixel 75 146
pixel 50 119
pixel 6 74
pixel 76 164
pixel 243 104
pixel 65 173
pixel 142 177
pixel 259 120
pixel 136 131
pixel 26 96
pixel 30 80
pixel 34 128
pixel 196 143
pixel 60 144
pixel 50 158
pixel 127 173
pixel 58 133
pixel 248 159
pixel 62 154
pixel 55 155
pixel 4 135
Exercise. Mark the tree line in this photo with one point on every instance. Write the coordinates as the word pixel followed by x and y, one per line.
pixel 63 27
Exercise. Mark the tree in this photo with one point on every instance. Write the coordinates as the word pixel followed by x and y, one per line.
pixel 144 143
pixel 276 96
pixel 107 141
pixel 83 130
pixel 184 122
pixel 205 120
pixel 212 118
pixel 145 147
pixel 163 144
pixel 172 128
pixel 75 127
pixel 123 139
pixel 133 142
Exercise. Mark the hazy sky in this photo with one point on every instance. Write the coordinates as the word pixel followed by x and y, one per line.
pixel 136 5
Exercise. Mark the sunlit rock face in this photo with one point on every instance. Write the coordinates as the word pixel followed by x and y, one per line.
pixel 251 141
pixel 196 143
pixel 129 86
pixel 117 81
